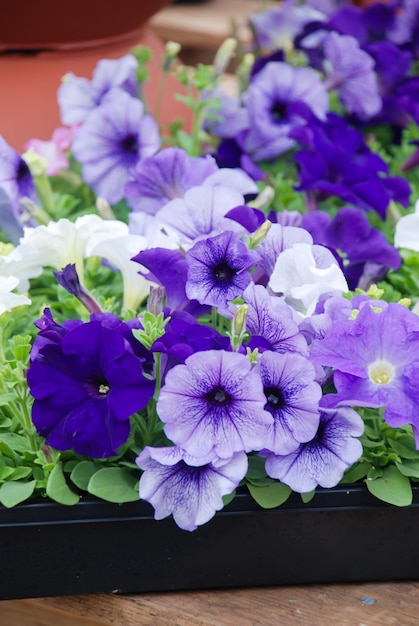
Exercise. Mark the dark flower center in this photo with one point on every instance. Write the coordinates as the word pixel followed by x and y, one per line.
pixel 274 398
pixel 129 144
pixel 97 389
pixel 219 396
pixel 278 111
pixel 22 171
pixel 223 273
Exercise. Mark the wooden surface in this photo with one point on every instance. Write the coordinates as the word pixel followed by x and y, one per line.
pixel 369 604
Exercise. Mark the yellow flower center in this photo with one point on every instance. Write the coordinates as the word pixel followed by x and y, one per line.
pixel 381 372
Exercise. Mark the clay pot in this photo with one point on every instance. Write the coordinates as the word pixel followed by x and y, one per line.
pixel 35 52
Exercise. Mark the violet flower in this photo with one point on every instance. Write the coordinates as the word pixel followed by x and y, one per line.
pixel 323 460
pixel 213 404
pixel 78 96
pixel 338 162
pixel 274 101
pixel 350 72
pixel 218 269
pixel 15 179
pixel 292 398
pixel 114 137
pixel 87 382
pixel 190 489
pixel 376 358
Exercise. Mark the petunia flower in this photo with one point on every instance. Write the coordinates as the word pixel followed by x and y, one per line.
pixel 190 489
pixel 113 138
pixel 218 269
pixel 200 213
pixel 274 100
pixel 213 403
pixel 87 382
pixel 8 299
pixel 78 96
pixel 323 460
pixel 407 231
pixel 303 273
pixel 350 72
pixel 15 179
pixel 55 150
pixel 376 361
pixel 292 398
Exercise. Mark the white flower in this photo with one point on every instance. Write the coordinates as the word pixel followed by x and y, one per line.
pixel 407 231
pixel 118 250
pixel 9 300
pixel 303 273
pixel 22 263
pixel 59 243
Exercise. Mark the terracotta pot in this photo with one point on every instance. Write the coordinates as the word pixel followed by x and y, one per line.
pixel 36 52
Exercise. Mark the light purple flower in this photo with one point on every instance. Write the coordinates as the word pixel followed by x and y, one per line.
pixel 114 137
pixel 292 398
pixel 218 269
pixel 270 318
pixel 189 488
pixel 214 404
pixel 274 100
pixel 15 178
pixel 78 96
pixel 170 173
pixel 376 357
pixel 200 213
pixel 350 72
pixel 323 460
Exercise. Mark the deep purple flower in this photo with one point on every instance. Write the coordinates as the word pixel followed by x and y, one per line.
pixel 87 381
pixel 376 357
pixel 189 489
pixel 69 279
pixel 111 141
pixel 350 72
pixel 338 162
pixel 230 153
pixel 78 96
pixel 15 178
pixel 274 101
pixel 323 460
pixel 213 404
pixel 292 398
pixel 218 269
pixel 350 233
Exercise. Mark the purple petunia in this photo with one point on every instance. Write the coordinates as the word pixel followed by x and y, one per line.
pixel 15 178
pixel 190 489
pixel 323 460
pixel 218 269
pixel 276 97
pixel 78 96
pixel 292 398
pixel 87 380
pixel 213 404
pixel 376 358
pixel 114 137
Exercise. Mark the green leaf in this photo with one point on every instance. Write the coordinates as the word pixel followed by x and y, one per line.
pixel 15 492
pixel 229 497
pixel 356 472
pixel 306 497
pixel 374 473
pixel 393 487
pixel 21 472
pixel 114 484
pixel 82 473
pixel 270 496
pixel 58 489
pixel 405 447
pixel 18 443
pixel 409 468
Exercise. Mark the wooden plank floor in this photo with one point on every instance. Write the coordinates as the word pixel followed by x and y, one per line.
pixel 368 604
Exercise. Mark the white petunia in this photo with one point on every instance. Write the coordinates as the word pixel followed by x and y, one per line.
pixel 118 251
pixel 407 231
pixel 9 300
pixel 303 273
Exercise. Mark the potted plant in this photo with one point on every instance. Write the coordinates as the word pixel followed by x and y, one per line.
pixel 210 339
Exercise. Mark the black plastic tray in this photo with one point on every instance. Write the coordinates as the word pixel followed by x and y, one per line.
pixel 343 534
